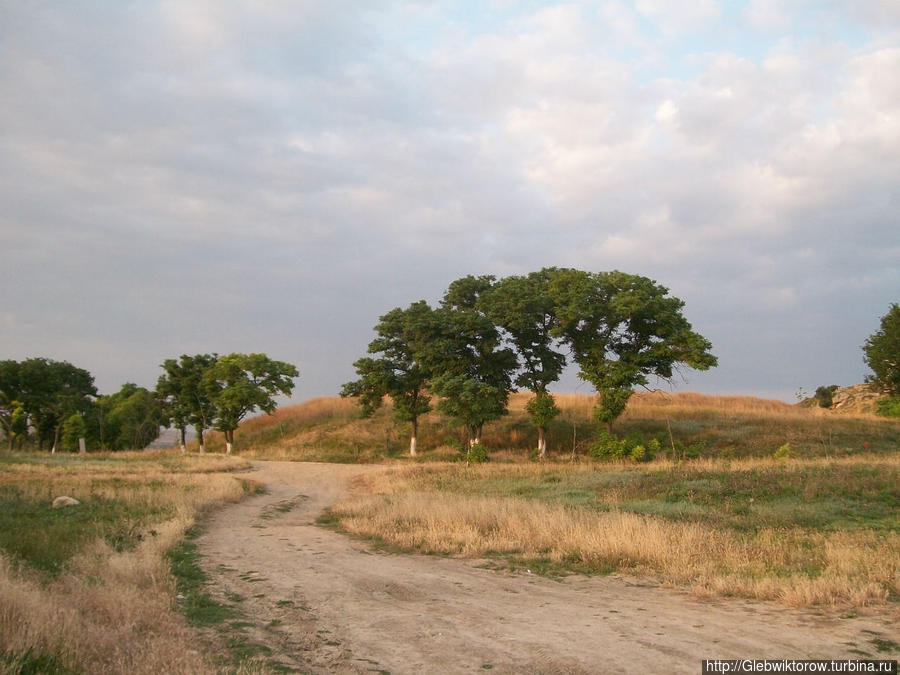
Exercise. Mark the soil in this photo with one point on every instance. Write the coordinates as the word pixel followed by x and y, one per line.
pixel 325 603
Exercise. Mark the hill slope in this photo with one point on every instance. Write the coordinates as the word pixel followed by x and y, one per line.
pixel 685 425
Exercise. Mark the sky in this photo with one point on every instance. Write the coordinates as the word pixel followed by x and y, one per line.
pixel 184 177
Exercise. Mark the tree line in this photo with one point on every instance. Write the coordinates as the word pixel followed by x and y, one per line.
pixel 489 337
pixel 47 403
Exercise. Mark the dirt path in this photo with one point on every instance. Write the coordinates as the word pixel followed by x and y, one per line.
pixel 327 604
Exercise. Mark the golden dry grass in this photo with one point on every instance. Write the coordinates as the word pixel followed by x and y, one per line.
pixel 109 611
pixel 406 507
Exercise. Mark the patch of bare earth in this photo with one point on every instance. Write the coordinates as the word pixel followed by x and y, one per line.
pixel 325 603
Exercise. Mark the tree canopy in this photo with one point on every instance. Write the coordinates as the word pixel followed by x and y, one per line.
pixel 240 384
pixel 488 337
pixel 882 353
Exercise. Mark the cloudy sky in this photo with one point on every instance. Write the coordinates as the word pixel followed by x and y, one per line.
pixel 183 177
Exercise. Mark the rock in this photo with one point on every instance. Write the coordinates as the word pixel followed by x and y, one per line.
pixel 64 501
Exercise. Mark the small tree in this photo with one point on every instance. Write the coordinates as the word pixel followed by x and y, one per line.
pixel 882 353
pixel 825 395
pixel 73 429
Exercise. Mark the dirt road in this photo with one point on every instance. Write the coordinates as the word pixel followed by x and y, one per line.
pixel 327 604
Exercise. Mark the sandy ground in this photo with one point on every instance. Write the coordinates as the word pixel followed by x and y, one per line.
pixel 328 604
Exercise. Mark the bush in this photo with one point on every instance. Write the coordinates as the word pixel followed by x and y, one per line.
pixel 634 447
pixel 607 446
pixel 477 454
pixel 784 452
pixel 824 395
pixel 888 406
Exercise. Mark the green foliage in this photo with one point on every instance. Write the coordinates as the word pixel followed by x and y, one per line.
pixel 477 454
pixel 888 406
pixel 243 383
pixel 186 392
pixel 607 446
pixel 882 352
pixel 470 368
pixel 398 371
pixel 208 390
pixel 783 451
pixel 31 663
pixel 129 419
pixel 42 393
pixel 622 329
pixel 824 395
pixel 542 409
pixel 73 429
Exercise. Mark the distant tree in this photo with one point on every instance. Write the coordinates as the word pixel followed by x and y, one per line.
pixel 396 370
pixel 187 394
pixel 523 307
pixel 130 418
pixel 825 395
pixel 882 353
pixel 50 392
pixel 243 383
pixel 73 429
pixel 622 329
pixel 471 371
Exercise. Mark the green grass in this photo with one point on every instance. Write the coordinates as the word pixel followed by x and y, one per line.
pixel 823 497
pixel 30 663
pixel 33 533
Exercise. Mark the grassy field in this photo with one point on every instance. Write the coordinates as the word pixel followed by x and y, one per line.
pixel 88 588
pixel 801 532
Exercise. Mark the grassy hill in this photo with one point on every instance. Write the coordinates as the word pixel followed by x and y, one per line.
pixel 684 425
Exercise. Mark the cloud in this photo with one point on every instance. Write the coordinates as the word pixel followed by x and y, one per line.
pixel 221 176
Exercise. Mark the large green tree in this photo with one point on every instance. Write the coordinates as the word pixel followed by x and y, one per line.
pixel 523 307
pixel 623 329
pixel 244 383
pixel 882 353
pixel 187 394
pixel 471 369
pixel 395 369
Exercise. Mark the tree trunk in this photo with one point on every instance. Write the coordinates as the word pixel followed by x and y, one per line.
pixel 55 439
pixel 183 444
pixel 200 439
pixel 542 443
pixel 413 438
pixel 229 441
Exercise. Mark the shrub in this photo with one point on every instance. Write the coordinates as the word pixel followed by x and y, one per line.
pixel 783 452
pixel 824 395
pixel 477 454
pixel 888 406
pixel 607 446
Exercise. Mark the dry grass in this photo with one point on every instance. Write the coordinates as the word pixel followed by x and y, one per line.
pixel 330 429
pixel 425 509
pixel 110 611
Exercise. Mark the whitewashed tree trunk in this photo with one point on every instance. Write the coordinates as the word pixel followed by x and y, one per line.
pixel 542 443
pixel 413 439
pixel 228 446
